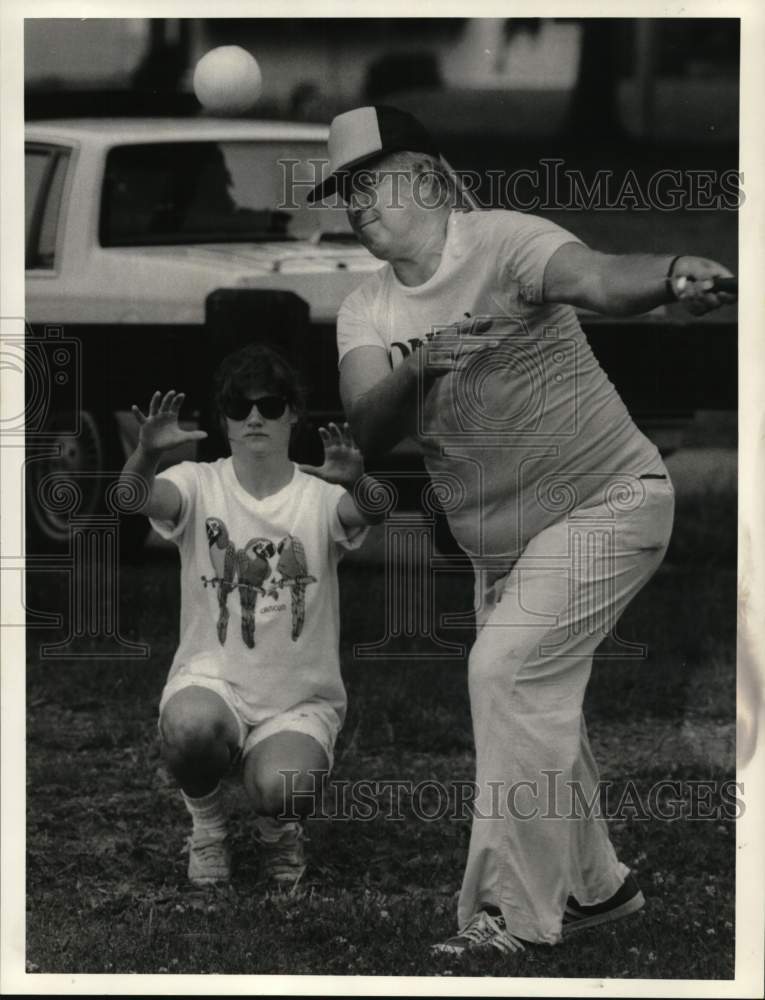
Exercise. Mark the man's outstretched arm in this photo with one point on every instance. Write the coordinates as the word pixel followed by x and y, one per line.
pixel 629 284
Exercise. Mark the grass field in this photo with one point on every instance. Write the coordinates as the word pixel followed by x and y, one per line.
pixel 106 886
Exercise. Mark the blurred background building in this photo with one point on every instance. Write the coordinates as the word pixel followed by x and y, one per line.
pixel 673 80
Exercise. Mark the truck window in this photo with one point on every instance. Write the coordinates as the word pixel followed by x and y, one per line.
pixel 214 192
pixel 44 174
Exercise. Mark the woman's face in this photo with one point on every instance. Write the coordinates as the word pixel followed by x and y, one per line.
pixel 260 433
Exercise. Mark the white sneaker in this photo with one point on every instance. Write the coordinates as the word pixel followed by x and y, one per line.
pixel 483 931
pixel 209 858
pixel 283 861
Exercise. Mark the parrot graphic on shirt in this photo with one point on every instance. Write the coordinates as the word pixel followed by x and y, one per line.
pixel 223 559
pixel 293 573
pixel 253 569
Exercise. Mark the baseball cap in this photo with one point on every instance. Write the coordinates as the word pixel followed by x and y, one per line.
pixel 363 134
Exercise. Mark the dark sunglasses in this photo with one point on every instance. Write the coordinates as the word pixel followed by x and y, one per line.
pixel 269 407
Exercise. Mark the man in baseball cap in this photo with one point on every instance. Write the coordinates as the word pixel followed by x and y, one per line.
pixel 467 340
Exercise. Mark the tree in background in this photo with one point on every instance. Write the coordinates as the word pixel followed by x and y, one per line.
pixel 402 71
pixel 167 56
pixel 593 112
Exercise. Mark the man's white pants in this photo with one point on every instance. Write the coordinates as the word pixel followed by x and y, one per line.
pixel 533 842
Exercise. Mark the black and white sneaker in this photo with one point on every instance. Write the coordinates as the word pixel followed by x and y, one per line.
pixel 482 932
pixel 628 899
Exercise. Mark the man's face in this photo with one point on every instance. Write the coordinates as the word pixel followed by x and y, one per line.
pixel 259 432
pixel 385 206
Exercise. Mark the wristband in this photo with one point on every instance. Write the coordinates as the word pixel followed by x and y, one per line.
pixel 668 279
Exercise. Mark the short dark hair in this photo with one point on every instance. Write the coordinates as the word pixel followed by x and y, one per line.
pixel 258 368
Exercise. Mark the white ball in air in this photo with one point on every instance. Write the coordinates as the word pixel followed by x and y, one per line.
pixel 227 80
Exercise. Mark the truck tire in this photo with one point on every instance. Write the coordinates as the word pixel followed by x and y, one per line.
pixel 95 449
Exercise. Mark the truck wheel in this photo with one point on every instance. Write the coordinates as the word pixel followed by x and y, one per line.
pixel 95 449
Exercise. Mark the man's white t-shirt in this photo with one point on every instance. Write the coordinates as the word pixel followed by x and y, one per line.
pixel 529 427
pixel 259 589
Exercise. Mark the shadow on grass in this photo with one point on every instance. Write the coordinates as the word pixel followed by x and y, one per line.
pixel 705 533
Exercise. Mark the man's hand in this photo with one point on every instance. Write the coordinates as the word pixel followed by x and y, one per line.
pixel 159 431
pixel 343 462
pixel 692 281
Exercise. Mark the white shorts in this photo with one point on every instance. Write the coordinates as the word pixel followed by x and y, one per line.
pixel 317 719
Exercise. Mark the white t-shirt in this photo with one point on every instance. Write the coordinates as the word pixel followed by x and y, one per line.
pixel 259 590
pixel 528 427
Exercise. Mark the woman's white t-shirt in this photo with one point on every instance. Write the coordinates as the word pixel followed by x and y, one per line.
pixel 259 589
